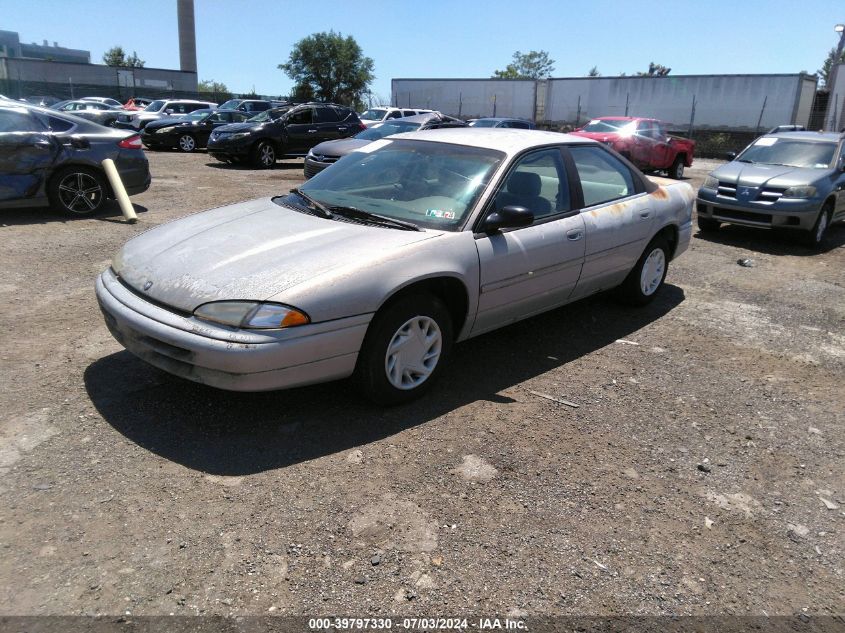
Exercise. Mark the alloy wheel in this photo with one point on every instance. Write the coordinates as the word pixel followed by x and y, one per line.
pixel 80 192
pixel 187 143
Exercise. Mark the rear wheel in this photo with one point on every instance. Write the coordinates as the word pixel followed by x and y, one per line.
pixel 646 278
pixel 814 238
pixel 676 171
pixel 708 225
pixel 406 347
pixel 77 191
pixel 264 155
pixel 187 143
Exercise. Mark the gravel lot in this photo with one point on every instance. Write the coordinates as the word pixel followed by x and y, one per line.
pixel 702 472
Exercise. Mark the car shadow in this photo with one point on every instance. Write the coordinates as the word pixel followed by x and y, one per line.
pixel 110 212
pixel 229 433
pixel 291 163
pixel 773 242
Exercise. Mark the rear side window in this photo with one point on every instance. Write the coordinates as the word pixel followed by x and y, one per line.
pixel 327 114
pixel 59 125
pixel 408 112
pixel 603 176
pixel 18 122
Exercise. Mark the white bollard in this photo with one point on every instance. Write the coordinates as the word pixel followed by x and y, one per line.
pixel 119 191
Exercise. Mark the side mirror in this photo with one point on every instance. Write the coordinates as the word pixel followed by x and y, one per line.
pixel 509 217
pixel 169 111
pixel 730 155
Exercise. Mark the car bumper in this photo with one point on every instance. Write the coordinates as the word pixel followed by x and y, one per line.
pixel 228 358
pixel 313 167
pixel 223 149
pixel 785 213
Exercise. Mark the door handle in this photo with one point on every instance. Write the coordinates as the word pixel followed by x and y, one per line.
pixel 312 131
pixel 574 235
pixel 645 215
pixel 342 128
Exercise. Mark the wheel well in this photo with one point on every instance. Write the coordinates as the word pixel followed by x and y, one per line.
pixel 670 234
pixel 449 290
pixel 830 202
pixel 682 156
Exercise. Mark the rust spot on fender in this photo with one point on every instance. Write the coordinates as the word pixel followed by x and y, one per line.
pixel 660 193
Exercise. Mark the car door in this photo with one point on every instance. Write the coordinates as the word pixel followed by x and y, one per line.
pixel 528 270
pixel 301 130
pixel 617 214
pixel 27 152
pixel 328 123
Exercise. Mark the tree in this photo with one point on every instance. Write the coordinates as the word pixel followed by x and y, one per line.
pixel 216 88
pixel 329 67
pixel 115 56
pixel 594 72
pixel 827 66
pixel 655 70
pixel 532 65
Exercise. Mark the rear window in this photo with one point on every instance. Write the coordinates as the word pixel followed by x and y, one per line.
pixel 59 125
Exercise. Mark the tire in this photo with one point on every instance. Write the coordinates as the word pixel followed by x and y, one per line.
pixel 384 372
pixel 815 237
pixel 77 191
pixel 646 278
pixel 708 225
pixel 676 171
pixel 264 155
pixel 187 143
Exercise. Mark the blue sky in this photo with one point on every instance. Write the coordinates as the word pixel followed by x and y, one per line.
pixel 241 43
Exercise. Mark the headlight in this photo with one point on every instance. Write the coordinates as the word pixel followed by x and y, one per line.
pixel 801 191
pixel 239 135
pixel 162 130
pixel 710 183
pixel 252 314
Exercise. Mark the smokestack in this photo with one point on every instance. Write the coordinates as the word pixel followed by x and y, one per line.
pixel 187 35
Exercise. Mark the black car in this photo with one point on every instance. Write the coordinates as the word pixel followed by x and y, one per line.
pixel 288 131
pixel 325 154
pixel 251 106
pixel 52 158
pixel 188 132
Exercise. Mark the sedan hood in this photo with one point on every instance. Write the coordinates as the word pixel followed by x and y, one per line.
pixel 251 250
pixel 757 175
pixel 340 147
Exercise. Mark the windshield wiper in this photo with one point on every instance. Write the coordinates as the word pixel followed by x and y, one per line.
pixel 322 209
pixel 360 214
pixel 744 160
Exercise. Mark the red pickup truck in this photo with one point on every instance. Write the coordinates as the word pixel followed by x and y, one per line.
pixel 642 141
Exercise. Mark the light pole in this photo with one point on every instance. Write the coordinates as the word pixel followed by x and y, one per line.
pixel 839 28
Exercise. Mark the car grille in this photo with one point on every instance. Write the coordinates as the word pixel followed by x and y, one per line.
pixel 770 194
pixel 726 190
pixel 312 168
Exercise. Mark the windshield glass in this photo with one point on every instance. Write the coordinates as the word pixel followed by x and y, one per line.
pixel 196 115
pixel 484 123
pixel 374 114
pixel 155 106
pixel 387 129
pixel 231 104
pixel 268 115
pixel 610 126
pixel 433 185
pixel 792 152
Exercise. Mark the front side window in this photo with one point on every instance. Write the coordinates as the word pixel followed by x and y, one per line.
pixel 538 183
pixel 374 114
pixel 603 176
pixel 17 122
pixel 301 117
pixel 155 106
pixel 327 114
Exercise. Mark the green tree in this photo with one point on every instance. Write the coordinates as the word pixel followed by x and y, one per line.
pixel 116 56
pixel 655 70
pixel 532 65
pixel 594 72
pixel 215 88
pixel 329 67
pixel 827 66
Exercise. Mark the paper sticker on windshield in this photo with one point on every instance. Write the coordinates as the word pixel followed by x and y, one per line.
pixel 371 147
pixel 766 141
pixel 440 213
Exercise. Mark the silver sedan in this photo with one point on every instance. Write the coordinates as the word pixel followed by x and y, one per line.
pixel 377 265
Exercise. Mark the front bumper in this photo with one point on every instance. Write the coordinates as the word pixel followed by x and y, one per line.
pixel 789 213
pixel 223 148
pixel 229 358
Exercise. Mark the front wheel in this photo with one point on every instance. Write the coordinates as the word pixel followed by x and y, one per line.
pixel 647 276
pixel 264 155
pixel 77 191
pixel 814 238
pixel 676 171
pixel 406 347
pixel 187 143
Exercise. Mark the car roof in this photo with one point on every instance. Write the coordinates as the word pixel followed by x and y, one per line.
pixel 500 118
pixel 509 140
pixel 832 137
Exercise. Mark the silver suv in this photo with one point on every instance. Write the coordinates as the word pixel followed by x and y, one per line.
pixel 159 109
pixel 383 113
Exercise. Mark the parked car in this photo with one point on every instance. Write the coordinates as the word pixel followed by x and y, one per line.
pixel 383 113
pixel 159 109
pixel 499 121
pixel 190 132
pixel 43 101
pixel 49 157
pixel 788 180
pixel 137 103
pixel 288 131
pixel 321 156
pixel 107 100
pixel 642 141
pixel 253 106
pixel 92 110
pixel 373 268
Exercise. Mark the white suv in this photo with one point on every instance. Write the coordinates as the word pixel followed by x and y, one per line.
pixel 382 113
pixel 159 109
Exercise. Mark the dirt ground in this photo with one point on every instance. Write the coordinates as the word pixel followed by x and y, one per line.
pixel 702 472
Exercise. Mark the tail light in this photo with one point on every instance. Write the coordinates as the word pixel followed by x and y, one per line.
pixel 362 126
pixel 131 142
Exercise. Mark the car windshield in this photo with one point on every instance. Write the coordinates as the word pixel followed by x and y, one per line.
pixel 374 114
pixel 196 115
pixel 484 123
pixel 155 106
pixel 231 104
pixel 433 185
pixel 269 115
pixel 771 150
pixel 387 129
pixel 610 126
